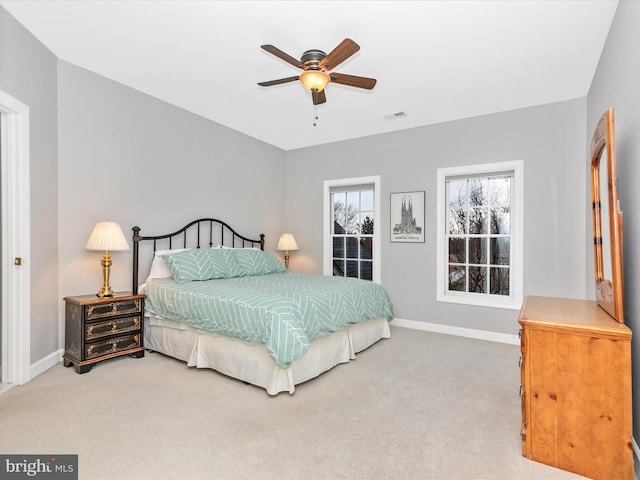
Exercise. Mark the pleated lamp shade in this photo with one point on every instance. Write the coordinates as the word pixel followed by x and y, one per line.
pixel 108 236
pixel 287 242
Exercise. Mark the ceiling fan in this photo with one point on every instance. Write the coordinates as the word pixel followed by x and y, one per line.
pixel 317 65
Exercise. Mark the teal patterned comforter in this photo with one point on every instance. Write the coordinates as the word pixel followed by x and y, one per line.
pixel 285 311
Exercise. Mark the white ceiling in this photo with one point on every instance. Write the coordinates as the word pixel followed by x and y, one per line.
pixel 435 61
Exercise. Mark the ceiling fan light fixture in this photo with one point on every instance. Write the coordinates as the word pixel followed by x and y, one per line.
pixel 314 80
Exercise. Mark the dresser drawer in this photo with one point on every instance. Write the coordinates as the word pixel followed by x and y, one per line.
pixel 114 326
pixel 110 309
pixel 112 345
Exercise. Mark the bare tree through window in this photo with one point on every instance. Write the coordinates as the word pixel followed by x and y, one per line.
pixel 479 234
pixel 352 233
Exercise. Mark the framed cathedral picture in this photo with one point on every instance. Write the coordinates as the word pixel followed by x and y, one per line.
pixel 407 217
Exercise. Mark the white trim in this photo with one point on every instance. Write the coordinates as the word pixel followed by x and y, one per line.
pixel 457 331
pixel 513 301
pixel 46 363
pixel 14 188
pixel 326 215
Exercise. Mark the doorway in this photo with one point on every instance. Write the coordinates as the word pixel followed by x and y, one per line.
pixel 14 242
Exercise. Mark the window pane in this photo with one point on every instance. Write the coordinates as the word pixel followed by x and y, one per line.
pixel 457 193
pixel 352 268
pixel 366 248
pixel 338 268
pixel 352 247
pixel 457 279
pixel 478 250
pixel 478 279
pixel 366 200
pixel 339 217
pixel 457 221
pixel 366 223
pixel 500 281
pixel 366 270
pixel 500 254
pixel 477 191
pixel 478 221
pixel 338 247
pixel 500 190
pixel 353 200
pixel 457 250
pixel 501 221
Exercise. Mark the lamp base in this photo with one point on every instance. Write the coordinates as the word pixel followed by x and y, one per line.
pixel 106 292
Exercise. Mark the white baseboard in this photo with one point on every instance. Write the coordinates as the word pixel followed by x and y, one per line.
pixel 458 331
pixel 45 363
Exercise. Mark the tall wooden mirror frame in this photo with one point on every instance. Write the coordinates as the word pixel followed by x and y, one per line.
pixel 607 219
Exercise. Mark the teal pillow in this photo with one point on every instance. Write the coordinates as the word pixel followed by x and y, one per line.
pixel 256 262
pixel 201 264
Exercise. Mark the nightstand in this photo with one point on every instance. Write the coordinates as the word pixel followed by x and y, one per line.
pixel 97 329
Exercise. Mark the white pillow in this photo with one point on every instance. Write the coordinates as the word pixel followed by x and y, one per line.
pixel 158 267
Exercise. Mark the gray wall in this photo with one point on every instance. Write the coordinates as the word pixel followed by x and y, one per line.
pixel 616 85
pixel 100 150
pixel 551 141
pixel 28 73
pixel 133 159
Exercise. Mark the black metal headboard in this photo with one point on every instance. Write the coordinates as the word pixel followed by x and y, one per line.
pixel 205 231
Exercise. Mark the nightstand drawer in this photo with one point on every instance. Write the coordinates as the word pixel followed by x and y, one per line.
pixel 112 345
pixel 117 307
pixel 114 326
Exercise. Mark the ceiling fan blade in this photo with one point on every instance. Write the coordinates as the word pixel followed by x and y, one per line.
pixel 278 82
pixel 318 97
pixel 353 80
pixel 281 55
pixel 339 54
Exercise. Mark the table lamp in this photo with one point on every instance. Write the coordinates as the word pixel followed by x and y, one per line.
pixel 286 243
pixel 106 236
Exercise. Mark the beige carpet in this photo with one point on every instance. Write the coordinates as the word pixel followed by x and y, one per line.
pixel 416 406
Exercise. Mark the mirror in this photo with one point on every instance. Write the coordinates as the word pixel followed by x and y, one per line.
pixel 607 219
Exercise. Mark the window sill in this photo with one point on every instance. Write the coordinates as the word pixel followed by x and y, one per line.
pixel 482 300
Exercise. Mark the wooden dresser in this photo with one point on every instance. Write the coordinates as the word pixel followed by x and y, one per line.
pixel 576 388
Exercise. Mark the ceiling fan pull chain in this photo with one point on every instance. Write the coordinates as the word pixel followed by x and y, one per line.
pixel 315 116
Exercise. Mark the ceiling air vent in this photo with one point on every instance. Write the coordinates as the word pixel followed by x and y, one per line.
pixel 393 116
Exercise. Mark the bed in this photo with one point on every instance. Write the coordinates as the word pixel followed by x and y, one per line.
pixel 216 299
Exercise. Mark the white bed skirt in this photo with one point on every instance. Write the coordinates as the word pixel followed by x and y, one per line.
pixel 252 364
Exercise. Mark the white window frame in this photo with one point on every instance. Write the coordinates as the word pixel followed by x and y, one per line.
pixel 514 300
pixel 327 263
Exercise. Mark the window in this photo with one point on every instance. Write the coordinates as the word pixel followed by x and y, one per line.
pixel 351 234
pixel 480 235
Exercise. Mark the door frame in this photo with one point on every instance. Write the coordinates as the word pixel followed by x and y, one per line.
pixel 14 190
